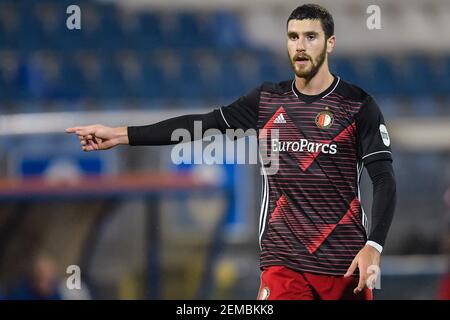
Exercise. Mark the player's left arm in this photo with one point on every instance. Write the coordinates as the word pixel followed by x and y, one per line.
pixel 384 199
pixel 375 152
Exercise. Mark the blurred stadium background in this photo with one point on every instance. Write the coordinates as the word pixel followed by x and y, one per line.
pixel 139 226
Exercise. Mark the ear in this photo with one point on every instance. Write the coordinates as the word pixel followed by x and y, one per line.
pixel 331 43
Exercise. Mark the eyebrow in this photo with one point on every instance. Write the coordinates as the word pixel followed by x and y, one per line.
pixel 306 33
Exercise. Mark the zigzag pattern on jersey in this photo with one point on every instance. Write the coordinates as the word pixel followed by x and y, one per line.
pixel 312 234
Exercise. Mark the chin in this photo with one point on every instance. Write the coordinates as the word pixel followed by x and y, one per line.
pixel 302 74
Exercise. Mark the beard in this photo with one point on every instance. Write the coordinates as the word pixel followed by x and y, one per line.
pixel 310 69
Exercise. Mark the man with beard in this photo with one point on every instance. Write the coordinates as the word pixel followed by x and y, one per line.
pixel 314 237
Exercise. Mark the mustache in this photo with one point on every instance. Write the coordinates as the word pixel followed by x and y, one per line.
pixel 301 56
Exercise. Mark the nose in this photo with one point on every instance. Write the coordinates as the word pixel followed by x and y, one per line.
pixel 300 45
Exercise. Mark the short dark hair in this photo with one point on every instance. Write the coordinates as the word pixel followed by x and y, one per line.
pixel 314 12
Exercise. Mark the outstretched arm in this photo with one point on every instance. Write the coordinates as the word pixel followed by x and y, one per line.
pixel 100 137
pixel 241 114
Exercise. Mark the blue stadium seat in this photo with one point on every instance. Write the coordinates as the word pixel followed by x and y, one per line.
pixel 8 28
pixel 111 84
pixel 112 35
pixel 149 33
pixel 180 75
pixel 152 84
pixel 70 40
pixel 268 67
pixel 187 31
pixel 227 30
pixel 31 79
pixel 31 31
pixel 129 81
pixel 53 21
pixel 3 88
pixel 9 76
pixel 382 77
pixel 415 77
pixel 74 85
pixel 441 75
pixel 231 82
pixel 344 68
pixel 194 87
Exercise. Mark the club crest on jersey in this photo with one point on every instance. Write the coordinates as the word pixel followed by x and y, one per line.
pixel 324 119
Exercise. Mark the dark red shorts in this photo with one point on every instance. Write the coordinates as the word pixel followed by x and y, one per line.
pixel 281 283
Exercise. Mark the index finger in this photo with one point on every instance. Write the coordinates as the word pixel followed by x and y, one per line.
pixel 72 129
pixel 82 131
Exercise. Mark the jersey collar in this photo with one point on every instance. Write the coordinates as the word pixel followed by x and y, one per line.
pixel 311 98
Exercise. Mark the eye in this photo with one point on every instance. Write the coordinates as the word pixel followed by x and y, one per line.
pixel 293 37
pixel 310 37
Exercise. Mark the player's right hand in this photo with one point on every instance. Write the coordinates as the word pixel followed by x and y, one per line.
pixel 99 137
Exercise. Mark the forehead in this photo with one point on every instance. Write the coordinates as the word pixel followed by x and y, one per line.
pixel 305 25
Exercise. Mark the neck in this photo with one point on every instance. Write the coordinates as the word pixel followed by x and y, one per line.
pixel 319 83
